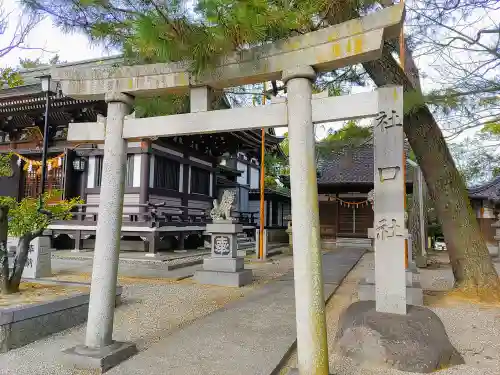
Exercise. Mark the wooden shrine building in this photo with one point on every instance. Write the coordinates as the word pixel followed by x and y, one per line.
pixel 183 174
pixel 344 180
pixel 485 202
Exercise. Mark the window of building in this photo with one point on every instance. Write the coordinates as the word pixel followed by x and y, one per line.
pixel 54 182
pixel 129 177
pixel 166 173
pixel 98 171
pixel 200 181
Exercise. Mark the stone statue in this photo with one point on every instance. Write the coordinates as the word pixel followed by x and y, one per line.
pixel 371 197
pixel 222 210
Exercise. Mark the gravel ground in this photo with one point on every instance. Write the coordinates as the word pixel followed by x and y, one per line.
pixel 473 329
pixel 151 310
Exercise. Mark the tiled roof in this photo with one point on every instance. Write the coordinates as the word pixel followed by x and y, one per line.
pixel 351 165
pixel 489 190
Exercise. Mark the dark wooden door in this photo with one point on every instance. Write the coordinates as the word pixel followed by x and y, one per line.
pixel 328 219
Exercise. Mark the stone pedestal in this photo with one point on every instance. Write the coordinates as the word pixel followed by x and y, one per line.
pixel 414 292
pixel 290 242
pixel 224 267
pixel 101 358
pixel 415 342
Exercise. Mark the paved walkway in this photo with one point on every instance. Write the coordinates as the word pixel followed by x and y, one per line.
pixel 250 336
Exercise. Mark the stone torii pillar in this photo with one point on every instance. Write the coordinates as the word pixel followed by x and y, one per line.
pixel 389 215
pixel 312 345
pixel 100 350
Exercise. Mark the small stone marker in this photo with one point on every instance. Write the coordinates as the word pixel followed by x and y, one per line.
pixel 391 286
pixel 389 231
pixel 224 267
pixel 38 263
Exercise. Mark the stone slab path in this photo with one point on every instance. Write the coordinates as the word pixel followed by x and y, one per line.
pixel 249 336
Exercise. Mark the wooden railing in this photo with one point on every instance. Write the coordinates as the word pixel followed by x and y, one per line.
pixel 155 215
pixel 246 217
pixel 149 215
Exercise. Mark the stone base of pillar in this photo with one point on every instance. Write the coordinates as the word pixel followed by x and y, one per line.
pixel 244 252
pixel 224 267
pixel 293 371
pixel 414 293
pixel 412 277
pixel 415 342
pixel 100 359
pixel 235 279
pixel 289 250
pixel 421 261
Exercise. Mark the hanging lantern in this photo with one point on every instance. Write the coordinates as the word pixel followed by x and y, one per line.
pixel 18 162
pixel 59 161
pixel 79 164
pixel 49 166
pixel 30 167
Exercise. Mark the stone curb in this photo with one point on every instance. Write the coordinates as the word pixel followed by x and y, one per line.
pixel 16 314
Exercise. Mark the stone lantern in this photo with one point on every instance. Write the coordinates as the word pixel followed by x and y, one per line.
pixel 289 232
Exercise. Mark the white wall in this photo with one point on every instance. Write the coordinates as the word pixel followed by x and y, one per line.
pixel 136 181
pixel 152 171
pixel 181 178
pixel 243 168
pixel 254 177
pixel 91 172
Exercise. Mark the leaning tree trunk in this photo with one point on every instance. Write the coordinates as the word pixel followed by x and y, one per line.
pixel 414 224
pixel 469 256
pixel 4 256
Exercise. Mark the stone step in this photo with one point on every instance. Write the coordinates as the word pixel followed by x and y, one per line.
pixel 246 245
pixel 353 242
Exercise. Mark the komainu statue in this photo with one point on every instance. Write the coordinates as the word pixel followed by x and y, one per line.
pixel 222 210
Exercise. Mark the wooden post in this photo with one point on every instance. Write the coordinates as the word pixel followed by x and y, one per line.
pixel 262 185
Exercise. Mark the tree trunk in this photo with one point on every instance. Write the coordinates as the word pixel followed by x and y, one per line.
pixel 4 255
pixel 414 223
pixel 23 247
pixel 469 256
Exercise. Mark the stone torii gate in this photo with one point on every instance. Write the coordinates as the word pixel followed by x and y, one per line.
pixel 295 61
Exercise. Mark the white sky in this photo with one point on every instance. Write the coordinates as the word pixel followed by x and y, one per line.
pixel 70 47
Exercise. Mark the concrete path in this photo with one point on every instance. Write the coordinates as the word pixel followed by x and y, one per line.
pixel 250 336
